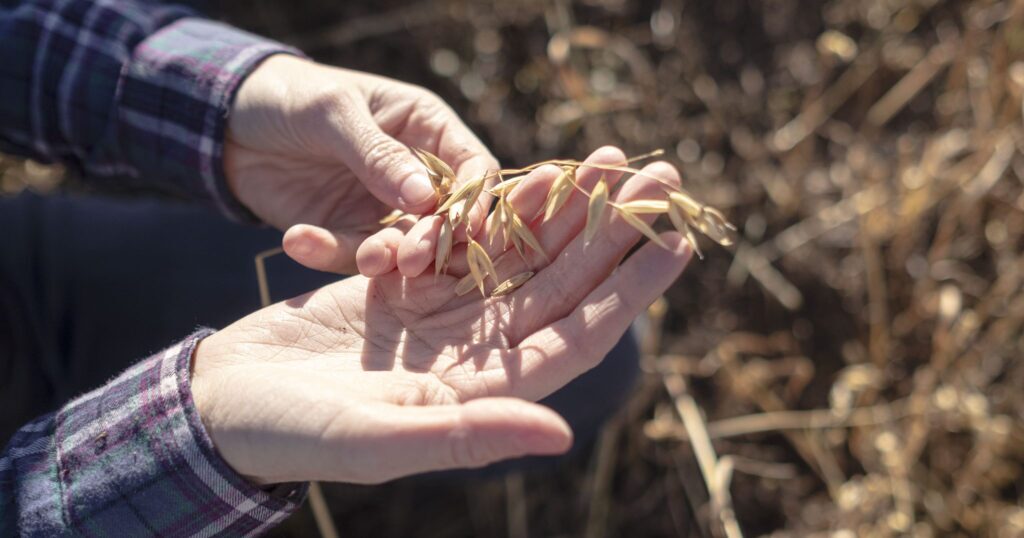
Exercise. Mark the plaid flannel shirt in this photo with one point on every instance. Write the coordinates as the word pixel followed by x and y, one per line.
pixel 134 90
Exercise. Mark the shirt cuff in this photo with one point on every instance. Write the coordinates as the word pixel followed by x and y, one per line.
pixel 177 91
pixel 134 454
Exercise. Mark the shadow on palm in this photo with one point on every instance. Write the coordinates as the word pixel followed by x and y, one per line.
pixel 530 342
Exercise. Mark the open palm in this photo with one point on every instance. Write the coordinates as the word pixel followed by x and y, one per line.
pixel 369 379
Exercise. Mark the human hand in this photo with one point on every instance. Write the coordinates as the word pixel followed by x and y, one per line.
pixel 370 379
pixel 322 152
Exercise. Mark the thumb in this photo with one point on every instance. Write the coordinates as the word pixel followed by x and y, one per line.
pixel 385 166
pixel 472 434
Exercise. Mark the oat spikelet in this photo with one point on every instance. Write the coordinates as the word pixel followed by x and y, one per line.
pixel 441 175
pixel 505 186
pixel 521 234
pixel 516 241
pixel 508 234
pixel 708 220
pixel 595 209
pixel 497 219
pixel 466 284
pixel 686 203
pixel 444 247
pixel 645 207
pixel 392 218
pixel 560 191
pixel 480 265
pixel 678 218
pixel 461 201
pixel 511 284
pixel 471 200
pixel 468 191
pixel 483 259
pixel 713 224
pixel 640 225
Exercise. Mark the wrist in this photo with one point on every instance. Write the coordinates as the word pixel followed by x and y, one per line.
pixel 204 401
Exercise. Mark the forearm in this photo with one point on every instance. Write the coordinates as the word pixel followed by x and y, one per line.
pixel 125 89
pixel 131 458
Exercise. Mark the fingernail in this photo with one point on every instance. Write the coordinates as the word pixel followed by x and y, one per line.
pixel 415 190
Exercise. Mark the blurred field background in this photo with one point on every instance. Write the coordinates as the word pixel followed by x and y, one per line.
pixel 851 367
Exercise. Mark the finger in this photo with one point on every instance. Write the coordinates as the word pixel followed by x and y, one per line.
pixel 416 439
pixel 379 254
pixel 556 354
pixel 416 251
pixel 582 265
pixel 384 165
pixel 323 250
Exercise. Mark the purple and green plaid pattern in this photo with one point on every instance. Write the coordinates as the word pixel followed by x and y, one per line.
pixel 131 459
pixel 122 89
pixel 135 90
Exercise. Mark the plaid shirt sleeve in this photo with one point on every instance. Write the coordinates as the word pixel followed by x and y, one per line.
pixel 124 89
pixel 131 459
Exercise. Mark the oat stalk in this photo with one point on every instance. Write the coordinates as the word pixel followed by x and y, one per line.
pixel 455 202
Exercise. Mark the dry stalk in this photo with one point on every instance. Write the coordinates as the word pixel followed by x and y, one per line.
pixel 910 85
pixel 516 506
pixel 775 421
pixel 716 473
pixel 805 443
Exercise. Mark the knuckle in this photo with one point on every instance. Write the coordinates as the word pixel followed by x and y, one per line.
pixel 465 449
pixel 435 105
pixel 326 102
pixel 381 154
pixel 574 344
pixel 429 98
pixel 556 293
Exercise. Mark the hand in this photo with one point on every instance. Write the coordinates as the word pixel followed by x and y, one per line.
pixel 323 153
pixel 370 379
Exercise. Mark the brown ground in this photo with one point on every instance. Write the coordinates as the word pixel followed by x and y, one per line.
pixel 870 153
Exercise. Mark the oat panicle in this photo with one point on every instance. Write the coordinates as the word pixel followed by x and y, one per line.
pixel 685 213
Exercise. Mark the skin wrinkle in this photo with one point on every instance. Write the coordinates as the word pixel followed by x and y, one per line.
pixel 455 382
pixel 332 102
pixel 380 154
pixel 404 118
pixel 388 309
pixel 460 440
pixel 431 392
pixel 337 191
pixel 363 334
pixel 275 330
pixel 557 295
pixel 458 372
pixel 339 207
pixel 323 322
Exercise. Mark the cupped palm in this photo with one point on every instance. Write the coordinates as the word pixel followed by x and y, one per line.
pixel 374 378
